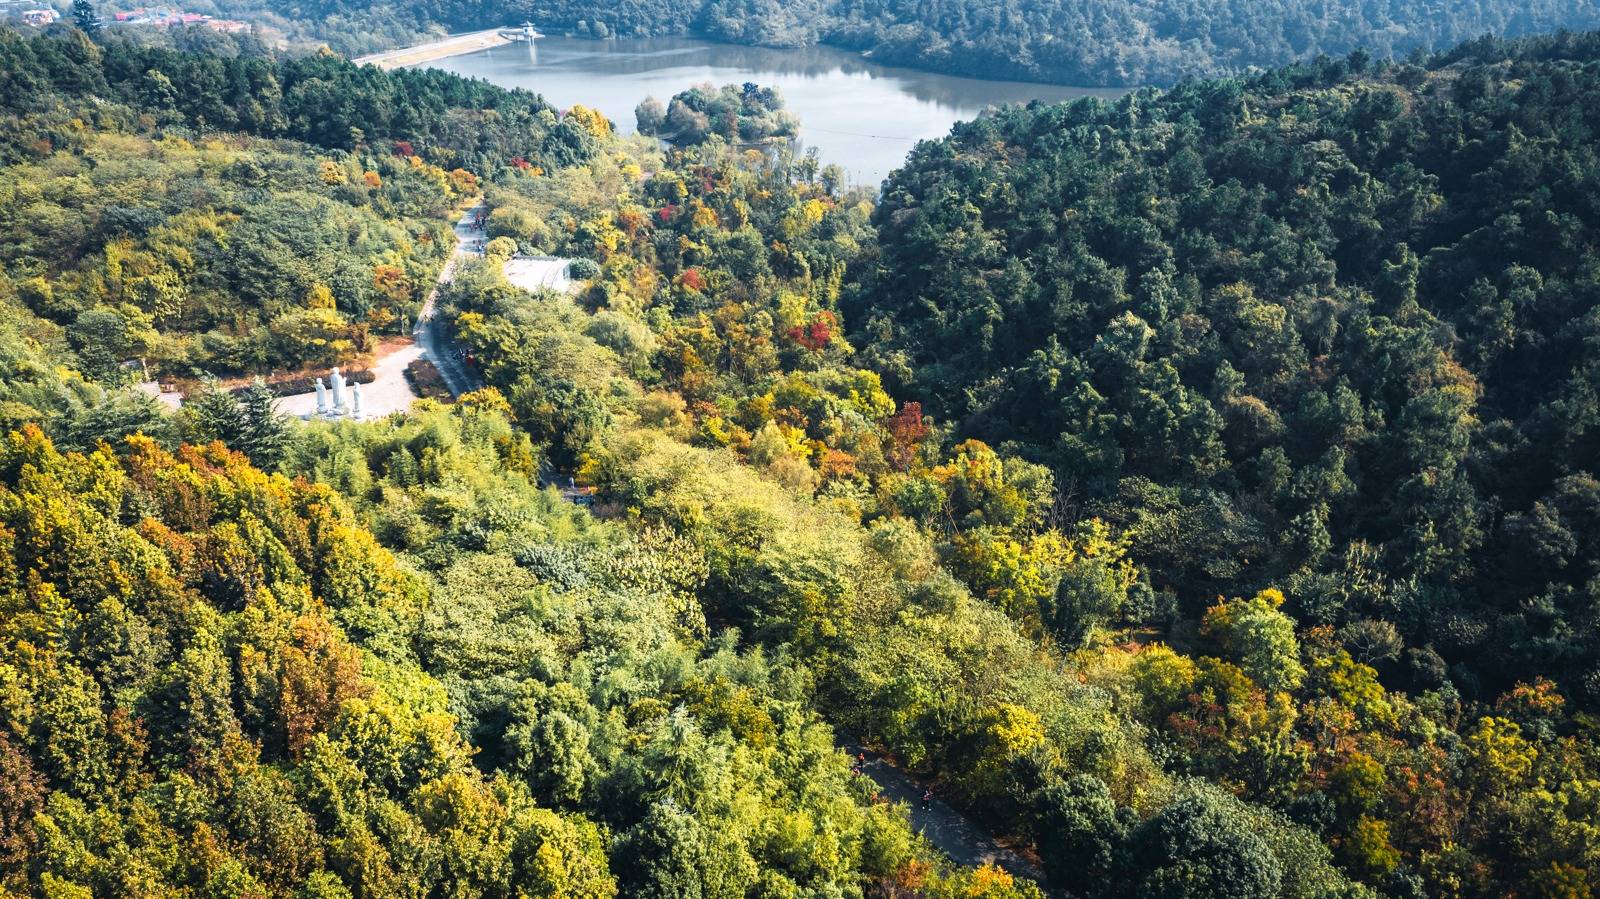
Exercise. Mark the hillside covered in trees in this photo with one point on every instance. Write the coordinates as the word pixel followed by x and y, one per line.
pixel 1195 489
pixel 238 214
pixel 1326 330
pixel 1083 42
pixel 1204 426
pixel 1327 327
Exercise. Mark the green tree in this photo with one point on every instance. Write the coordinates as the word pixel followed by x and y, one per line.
pixel 1200 846
pixel 672 855
pixel 1260 637
pixel 213 413
pixel 264 434
pixel 86 17
pixel 1079 833
pixel 1094 587
pixel 650 115
pixel 106 338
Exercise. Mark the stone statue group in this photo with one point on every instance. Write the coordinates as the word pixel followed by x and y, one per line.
pixel 338 407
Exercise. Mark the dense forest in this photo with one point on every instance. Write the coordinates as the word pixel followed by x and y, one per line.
pixel 1194 489
pixel 1083 42
pixel 708 337
pixel 1251 485
pixel 1326 328
pixel 219 683
pixel 244 657
pixel 1327 331
pixel 319 99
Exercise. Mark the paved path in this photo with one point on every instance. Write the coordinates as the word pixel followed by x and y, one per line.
pixel 388 392
pixel 437 346
pixel 947 829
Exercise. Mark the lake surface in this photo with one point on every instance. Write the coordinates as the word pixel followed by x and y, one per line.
pixel 864 116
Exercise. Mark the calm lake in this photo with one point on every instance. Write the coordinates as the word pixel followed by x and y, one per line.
pixel 864 116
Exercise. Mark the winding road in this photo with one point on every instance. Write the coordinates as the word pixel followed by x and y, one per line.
pixel 437 345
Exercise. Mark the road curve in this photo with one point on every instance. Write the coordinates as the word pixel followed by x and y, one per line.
pixel 947 829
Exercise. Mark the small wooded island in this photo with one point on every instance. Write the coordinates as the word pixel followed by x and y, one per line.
pixel 745 114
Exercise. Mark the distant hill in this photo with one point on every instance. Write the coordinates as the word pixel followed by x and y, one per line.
pixel 1086 42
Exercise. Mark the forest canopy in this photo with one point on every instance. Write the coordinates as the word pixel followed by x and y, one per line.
pixel 1326 328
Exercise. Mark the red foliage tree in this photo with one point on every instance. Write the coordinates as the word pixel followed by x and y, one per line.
pixel 907 430
pixel 22 794
pixel 814 336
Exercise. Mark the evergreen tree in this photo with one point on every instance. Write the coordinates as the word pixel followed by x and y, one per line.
pixel 1201 846
pixel 213 413
pixel 87 17
pixel 1080 835
pixel 264 434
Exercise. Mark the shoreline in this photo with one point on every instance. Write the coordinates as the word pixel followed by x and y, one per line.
pixel 468 42
pixel 454 45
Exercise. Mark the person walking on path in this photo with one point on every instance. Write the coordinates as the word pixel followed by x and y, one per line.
pixel 927 799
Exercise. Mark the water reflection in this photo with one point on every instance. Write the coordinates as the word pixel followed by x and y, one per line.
pixel 860 114
pixel 630 57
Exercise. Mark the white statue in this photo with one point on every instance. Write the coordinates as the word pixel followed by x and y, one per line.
pixel 322 398
pixel 337 380
pixel 355 401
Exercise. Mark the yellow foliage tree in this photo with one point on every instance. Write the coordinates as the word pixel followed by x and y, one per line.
pixel 319 297
pixel 590 120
